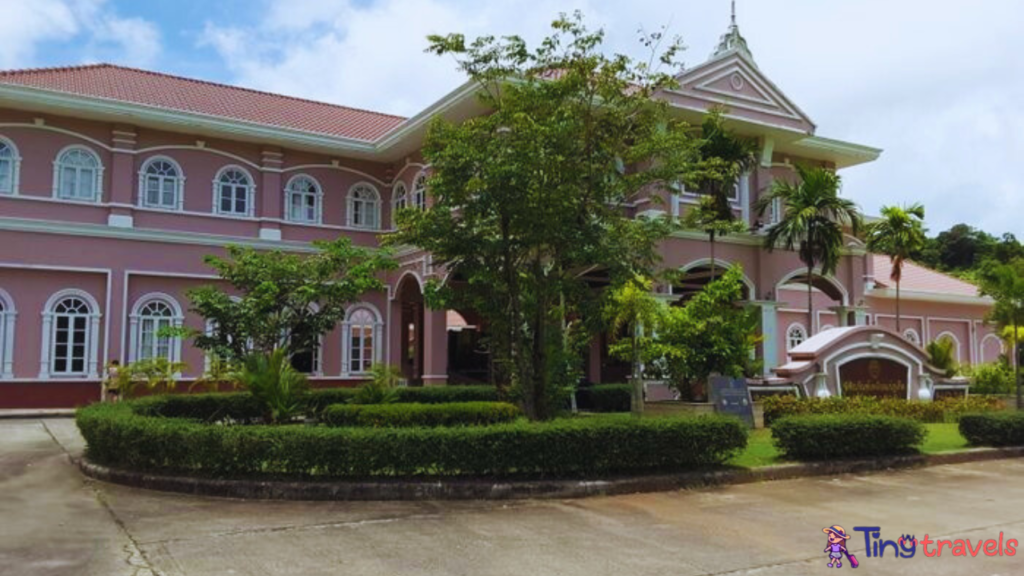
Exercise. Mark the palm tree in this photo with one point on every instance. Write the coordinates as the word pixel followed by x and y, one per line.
pixel 812 222
pixel 898 235
pixel 722 157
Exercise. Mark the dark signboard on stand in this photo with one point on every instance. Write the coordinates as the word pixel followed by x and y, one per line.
pixel 731 396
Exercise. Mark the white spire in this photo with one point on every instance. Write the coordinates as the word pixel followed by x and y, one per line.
pixel 732 40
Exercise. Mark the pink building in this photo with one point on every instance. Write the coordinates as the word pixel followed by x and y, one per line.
pixel 115 182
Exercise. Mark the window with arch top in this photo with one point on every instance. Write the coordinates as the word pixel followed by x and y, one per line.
pixel 911 335
pixel 71 320
pixel 399 201
pixel 303 199
pixel 161 184
pixel 795 336
pixel 419 192
pixel 78 175
pixel 233 192
pixel 362 335
pixel 364 207
pixel 9 164
pixel 152 315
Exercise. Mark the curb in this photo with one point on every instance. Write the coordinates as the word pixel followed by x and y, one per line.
pixel 476 489
pixel 37 414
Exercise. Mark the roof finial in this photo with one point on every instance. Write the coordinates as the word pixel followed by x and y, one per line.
pixel 733 12
pixel 732 40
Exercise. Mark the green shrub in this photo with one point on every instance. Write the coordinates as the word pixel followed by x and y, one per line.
pixel 116 436
pixel 604 398
pixel 823 437
pixel 992 378
pixel 382 388
pixel 430 415
pixel 238 406
pixel 999 429
pixel 948 409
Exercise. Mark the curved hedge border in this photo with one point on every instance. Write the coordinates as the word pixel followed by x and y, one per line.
pixel 117 436
pixel 821 437
pixel 949 409
pixel 1001 429
pixel 429 415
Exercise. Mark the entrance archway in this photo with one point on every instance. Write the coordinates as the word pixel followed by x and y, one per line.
pixel 693 277
pixel 410 349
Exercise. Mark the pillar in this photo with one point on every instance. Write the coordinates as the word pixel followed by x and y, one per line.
pixel 271 195
pixel 843 313
pixel 435 347
pixel 122 178
pixel 769 334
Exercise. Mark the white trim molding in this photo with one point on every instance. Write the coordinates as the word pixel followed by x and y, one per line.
pixel 15 159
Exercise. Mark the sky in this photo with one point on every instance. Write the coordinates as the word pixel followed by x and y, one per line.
pixel 937 84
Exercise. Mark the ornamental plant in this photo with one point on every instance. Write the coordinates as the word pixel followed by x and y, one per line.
pixel 277 386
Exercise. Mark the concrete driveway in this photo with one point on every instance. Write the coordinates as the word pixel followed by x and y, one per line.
pixel 55 522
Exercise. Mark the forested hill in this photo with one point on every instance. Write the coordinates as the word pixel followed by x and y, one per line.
pixel 963 250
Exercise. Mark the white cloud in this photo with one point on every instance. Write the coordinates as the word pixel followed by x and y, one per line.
pixel 936 83
pixel 29 24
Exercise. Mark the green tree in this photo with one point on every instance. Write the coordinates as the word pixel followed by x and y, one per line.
pixel 722 157
pixel 530 198
pixel 813 222
pixel 1005 284
pixel 898 235
pixel 710 334
pixel 940 355
pixel 280 299
pixel 632 307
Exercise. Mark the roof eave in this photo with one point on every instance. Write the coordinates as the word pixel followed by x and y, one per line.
pixel 890 294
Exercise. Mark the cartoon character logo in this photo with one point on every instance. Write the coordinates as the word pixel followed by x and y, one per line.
pixel 836 547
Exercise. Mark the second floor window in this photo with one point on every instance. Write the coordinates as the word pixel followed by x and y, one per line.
pixel 161 184
pixel 8 168
pixel 364 207
pixel 233 192
pixel 302 200
pixel 419 192
pixel 399 201
pixel 78 173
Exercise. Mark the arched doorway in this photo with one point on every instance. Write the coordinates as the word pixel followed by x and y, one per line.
pixel 410 344
pixel 826 294
pixel 693 277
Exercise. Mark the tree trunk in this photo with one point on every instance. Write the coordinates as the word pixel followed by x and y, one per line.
pixel 636 405
pixel 713 270
pixel 898 308
pixel 810 301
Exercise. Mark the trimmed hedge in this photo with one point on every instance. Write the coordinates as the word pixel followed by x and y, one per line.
pixel 241 406
pixel 604 398
pixel 1002 429
pixel 117 436
pixel 429 415
pixel 825 437
pixel 949 409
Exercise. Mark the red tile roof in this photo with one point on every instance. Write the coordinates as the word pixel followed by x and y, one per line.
pixel 917 278
pixel 200 97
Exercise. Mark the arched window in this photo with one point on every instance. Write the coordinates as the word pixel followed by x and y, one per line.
pixel 795 336
pixel 78 174
pixel 9 165
pixel 7 317
pixel 303 197
pixel 151 315
pixel 362 340
pixel 233 191
pixel 911 335
pixel 71 323
pixel 399 201
pixel 364 207
pixel 161 184
pixel 419 191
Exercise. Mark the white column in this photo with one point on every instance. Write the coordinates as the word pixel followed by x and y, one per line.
pixel 7 341
pixel 44 350
pixel 769 335
pixel 346 337
pixel 94 344
pixel 133 339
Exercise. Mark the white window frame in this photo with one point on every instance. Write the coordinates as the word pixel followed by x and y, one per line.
pixel 789 335
pixel 58 175
pixel 317 195
pixel 399 201
pixel 418 197
pixel 250 202
pixel 915 340
pixel 178 181
pixel 137 324
pixel 8 316
pixel 47 359
pixel 377 333
pixel 15 160
pixel 374 203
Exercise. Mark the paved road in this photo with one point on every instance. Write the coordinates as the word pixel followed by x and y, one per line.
pixel 55 522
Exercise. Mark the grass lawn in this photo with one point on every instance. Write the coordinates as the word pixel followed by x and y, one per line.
pixel 761 451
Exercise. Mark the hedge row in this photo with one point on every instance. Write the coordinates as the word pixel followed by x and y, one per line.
pixel 116 436
pixel 824 437
pixel 604 398
pixel 241 406
pixel 949 409
pixel 429 415
pixel 1002 429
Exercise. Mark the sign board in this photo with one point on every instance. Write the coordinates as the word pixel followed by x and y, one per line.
pixel 731 396
pixel 878 377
